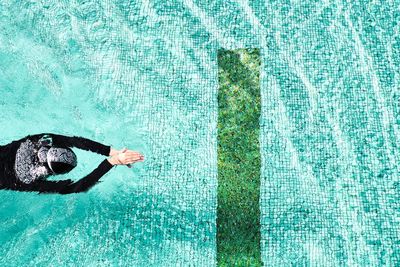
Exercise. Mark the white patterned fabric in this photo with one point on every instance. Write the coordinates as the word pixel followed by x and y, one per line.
pixel 42 154
pixel 28 167
pixel 56 154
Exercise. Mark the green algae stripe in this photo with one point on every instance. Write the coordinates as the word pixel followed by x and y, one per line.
pixel 239 160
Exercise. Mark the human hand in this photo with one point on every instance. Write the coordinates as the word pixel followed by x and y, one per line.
pixel 115 151
pixel 126 157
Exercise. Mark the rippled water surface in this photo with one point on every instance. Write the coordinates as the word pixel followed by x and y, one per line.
pixel 143 74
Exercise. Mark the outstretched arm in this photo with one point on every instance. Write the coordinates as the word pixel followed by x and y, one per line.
pixel 79 142
pixel 84 184
pixel 68 186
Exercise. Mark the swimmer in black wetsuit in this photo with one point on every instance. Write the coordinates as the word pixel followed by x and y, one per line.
pixel 26 163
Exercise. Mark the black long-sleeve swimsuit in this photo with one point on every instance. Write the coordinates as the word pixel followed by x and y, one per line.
pixel 35 174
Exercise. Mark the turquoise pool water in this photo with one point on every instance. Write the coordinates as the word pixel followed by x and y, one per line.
pixel 144 75
pixel 80 70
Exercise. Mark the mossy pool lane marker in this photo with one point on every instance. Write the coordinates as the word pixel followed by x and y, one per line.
pixel 239 160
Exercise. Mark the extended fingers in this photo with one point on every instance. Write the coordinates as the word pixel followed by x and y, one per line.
pixel 134 159
pixel 133 154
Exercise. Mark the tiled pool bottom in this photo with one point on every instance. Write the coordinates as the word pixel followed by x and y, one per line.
pixel 144 75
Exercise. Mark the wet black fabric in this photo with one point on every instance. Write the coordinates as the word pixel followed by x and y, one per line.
pixel 8 179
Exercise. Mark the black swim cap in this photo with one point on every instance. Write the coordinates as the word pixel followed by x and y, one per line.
pixel 61 160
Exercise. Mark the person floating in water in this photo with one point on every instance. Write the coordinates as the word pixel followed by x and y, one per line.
pixel 25 164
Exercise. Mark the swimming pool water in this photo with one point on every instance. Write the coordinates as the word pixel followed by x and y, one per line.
pixel 143 74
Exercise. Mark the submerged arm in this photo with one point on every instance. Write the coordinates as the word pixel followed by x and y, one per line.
pixel 69 186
